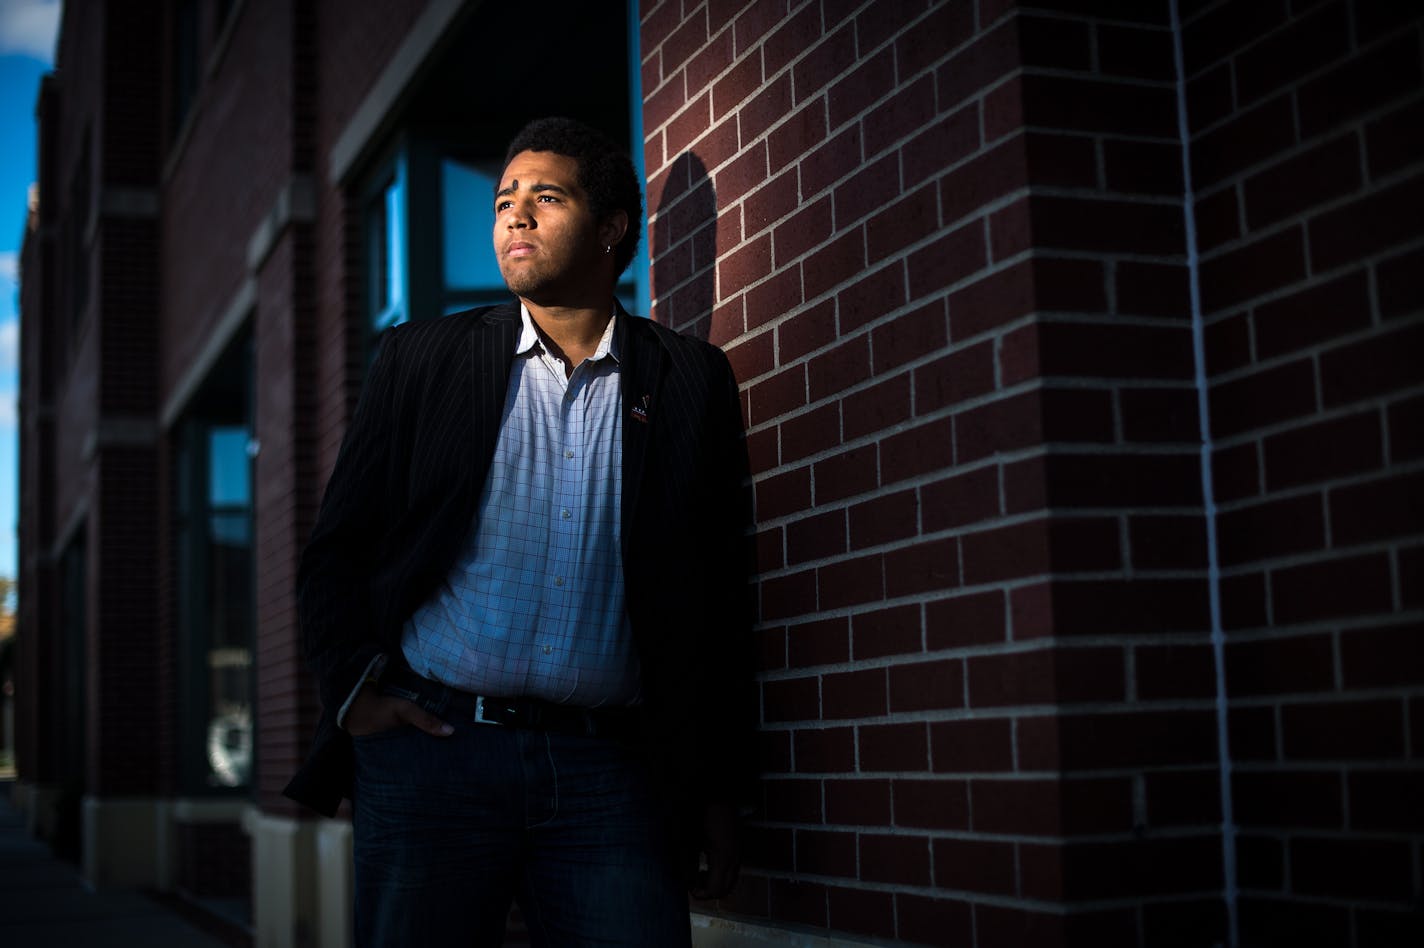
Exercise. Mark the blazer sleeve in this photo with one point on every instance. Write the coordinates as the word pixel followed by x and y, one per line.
pixel 726 724
pixel 335 576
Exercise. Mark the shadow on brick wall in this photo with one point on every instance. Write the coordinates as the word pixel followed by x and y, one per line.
pixel 685 248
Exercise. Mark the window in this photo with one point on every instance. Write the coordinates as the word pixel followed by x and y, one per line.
pixel 428 220
pixel 216 579
pixel 385 247
pixel 426 204
pixel 471 275
pixel 429 216
pixel 230 620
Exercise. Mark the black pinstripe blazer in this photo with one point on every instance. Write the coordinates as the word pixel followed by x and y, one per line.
pixel 403 496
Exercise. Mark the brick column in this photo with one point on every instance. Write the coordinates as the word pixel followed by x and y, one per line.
pixel 1308 180
pixel 988 695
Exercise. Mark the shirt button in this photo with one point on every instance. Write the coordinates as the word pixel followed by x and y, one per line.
pixel 568 454
pixel 548 649
pixel 558 580
pixel 566 514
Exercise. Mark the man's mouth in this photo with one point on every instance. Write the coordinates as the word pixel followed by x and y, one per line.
pixel 519 249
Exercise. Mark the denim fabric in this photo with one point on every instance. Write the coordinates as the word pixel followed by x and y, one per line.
pixel 449 831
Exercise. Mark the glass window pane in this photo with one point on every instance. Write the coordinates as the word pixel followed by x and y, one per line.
pixel 467 213
pixel 216 584
pixel 385 242
pixel 395 231
pixel 229 471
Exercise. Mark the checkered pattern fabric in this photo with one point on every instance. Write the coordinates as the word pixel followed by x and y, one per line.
pixel 534 605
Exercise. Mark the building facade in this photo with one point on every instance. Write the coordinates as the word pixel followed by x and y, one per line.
pixel 1081 348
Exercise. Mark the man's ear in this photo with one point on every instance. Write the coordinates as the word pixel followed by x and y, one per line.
pixel 612 229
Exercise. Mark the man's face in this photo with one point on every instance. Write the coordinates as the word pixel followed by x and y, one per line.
pixel 546 239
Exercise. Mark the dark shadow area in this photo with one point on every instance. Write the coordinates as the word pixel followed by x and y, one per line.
pixel 481 87
pixel 684 241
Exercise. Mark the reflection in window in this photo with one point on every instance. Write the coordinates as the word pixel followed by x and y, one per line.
pixel 229 568
pixel 468 219
pixel 385 230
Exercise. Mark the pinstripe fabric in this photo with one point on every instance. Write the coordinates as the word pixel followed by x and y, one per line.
pixel 405 489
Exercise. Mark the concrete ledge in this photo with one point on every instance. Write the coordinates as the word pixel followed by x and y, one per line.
pixel 710 931
pixel 296 203
pixel 302 888
pixel 129 203
pixel 189 811
pixel 301 881
pixel 119 431
pixel 197 810
pixel 37 803
pixel 335 883
pixel 238 308
pixel 125 842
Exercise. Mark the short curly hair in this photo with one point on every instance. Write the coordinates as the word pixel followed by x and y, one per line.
pixel 604 172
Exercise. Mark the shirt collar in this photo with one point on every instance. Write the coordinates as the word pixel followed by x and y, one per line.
pixel 529 337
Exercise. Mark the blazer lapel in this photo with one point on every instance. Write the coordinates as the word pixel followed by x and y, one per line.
pixel 640 371
pixel 491 355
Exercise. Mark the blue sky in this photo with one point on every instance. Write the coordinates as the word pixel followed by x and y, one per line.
pixel 27 30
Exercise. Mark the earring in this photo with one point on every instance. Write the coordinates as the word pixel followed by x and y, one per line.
pixel 608 249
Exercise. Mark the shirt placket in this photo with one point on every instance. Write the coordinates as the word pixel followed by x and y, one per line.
pixel 566 519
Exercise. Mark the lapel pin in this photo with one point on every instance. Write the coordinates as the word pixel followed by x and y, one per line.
pixel 640 412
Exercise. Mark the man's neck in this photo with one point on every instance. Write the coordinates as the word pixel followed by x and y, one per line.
pixel 571 333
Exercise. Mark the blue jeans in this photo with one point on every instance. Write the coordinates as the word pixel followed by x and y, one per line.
pixel 449 831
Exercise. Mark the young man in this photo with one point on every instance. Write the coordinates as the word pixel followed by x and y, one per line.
pixel 526 595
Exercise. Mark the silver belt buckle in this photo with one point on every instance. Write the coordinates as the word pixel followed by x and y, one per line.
pixel 480 711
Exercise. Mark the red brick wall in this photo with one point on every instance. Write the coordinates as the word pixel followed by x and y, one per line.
pixel 356 43
pixel 954 677
pixel 128 686
pixel 230 168
pixel 353 44
pixel 284 724
pixel 944 247
pixel 126 694
pixel 214 860
pixel 131 93
pixel 1308 172
pixel 989 697
pixel 285 288
pixel 77 111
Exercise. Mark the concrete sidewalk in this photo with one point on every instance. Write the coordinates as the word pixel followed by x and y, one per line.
pixel 45 904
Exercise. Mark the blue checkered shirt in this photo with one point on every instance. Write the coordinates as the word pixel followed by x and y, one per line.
pixel 535 605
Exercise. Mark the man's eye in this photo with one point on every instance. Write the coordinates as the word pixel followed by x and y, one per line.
pixel 548 197
pixel 502 205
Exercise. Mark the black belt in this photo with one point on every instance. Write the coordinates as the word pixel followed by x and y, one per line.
pixel 456 706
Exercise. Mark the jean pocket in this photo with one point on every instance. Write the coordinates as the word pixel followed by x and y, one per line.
pixel 376 737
